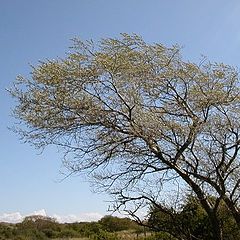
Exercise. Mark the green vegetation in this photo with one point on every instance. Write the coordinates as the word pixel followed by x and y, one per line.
pixel 191 222
pixel 42 228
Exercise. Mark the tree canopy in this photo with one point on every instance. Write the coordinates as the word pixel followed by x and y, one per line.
pixel 140 120
pixel 191 221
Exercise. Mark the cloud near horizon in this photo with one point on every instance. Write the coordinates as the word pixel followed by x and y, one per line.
pixel 17 217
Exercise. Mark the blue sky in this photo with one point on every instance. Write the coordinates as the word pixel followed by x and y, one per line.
pixel 32 30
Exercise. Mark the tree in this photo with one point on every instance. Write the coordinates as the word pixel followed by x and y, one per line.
pixel 138 119
pixel 115 224
pixel 191 221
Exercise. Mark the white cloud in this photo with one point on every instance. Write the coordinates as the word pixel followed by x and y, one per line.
pixel 41 212
pixel 11 217
pixel 92 216
pixel 83 217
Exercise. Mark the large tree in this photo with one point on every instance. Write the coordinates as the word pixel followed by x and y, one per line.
pixel 140 120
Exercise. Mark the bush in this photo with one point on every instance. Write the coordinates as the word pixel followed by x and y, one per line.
pixel 104 235
pixel 115 224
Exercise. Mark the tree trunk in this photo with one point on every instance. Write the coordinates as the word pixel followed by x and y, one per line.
pixel 216 227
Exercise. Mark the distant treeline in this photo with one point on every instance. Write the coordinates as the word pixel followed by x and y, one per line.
pixel 41 228
pixel 189 222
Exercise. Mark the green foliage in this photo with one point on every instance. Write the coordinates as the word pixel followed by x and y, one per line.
pixel 114 224
pixel 6 231
pixel 160 235
pixel 104 235
pixel 191 222
pixel 43 228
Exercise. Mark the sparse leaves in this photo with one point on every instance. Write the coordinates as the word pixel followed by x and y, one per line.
pixel 124 109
